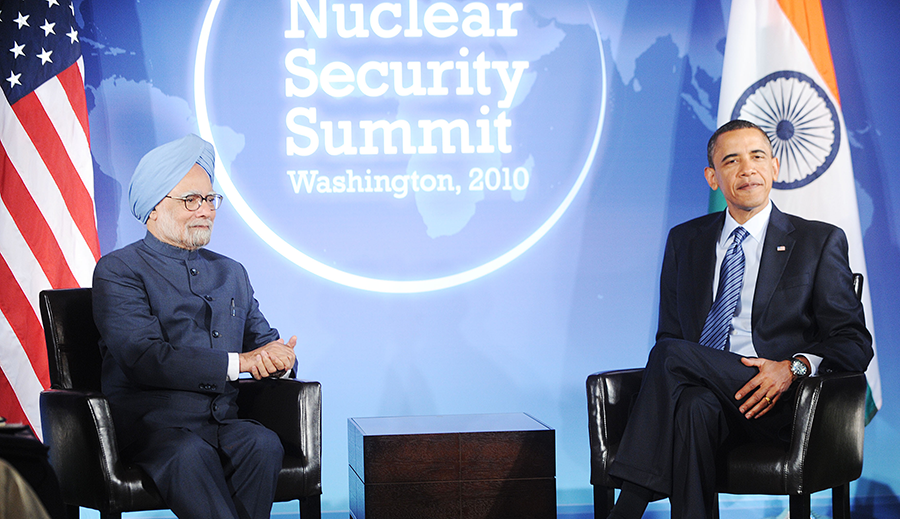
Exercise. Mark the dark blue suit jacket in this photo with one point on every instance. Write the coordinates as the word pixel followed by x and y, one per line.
pixel 804 301
pixel 167 319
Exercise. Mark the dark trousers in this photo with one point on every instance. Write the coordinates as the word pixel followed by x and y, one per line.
pixel 684 415
pixel 235 479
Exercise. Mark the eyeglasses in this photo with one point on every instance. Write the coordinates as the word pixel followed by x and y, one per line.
pixel 193 202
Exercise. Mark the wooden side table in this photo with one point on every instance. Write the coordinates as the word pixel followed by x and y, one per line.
pixel 455 466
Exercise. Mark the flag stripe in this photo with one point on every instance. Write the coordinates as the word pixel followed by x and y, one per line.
pixel 39 128
pixel 68 125
pixel 21 377
pixel 23 356
pixel 24 266
pixel 25 325
pixel 42 188
pixel 12 410
pixel 73 84
pixel 69 122
pixel 809 22
pixel 32 226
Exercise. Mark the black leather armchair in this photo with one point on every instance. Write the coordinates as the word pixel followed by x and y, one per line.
pixel 825 451
pixel 79 430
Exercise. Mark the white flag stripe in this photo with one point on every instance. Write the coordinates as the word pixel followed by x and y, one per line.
pixel 18 370
pixel 88 175
pixel 769 45
pixel 53 98
pixel 24 266
pixel 43 189
pixel 80 63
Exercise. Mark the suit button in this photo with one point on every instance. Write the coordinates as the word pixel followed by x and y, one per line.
pixel 216 334
pixel 194 272
pixel 208 298
pixel 215 407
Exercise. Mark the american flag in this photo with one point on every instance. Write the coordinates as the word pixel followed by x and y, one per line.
pixel 48 231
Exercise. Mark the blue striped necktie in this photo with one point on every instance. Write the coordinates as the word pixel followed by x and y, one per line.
pixel 731 280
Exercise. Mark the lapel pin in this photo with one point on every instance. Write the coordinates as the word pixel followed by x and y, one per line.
pixel 780 248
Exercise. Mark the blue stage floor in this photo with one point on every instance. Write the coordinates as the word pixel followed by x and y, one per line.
pixel 731 507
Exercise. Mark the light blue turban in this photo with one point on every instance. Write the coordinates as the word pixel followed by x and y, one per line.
pixel 163 167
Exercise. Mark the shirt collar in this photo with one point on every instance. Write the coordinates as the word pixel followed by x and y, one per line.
pixel 756 226
pixel 170 251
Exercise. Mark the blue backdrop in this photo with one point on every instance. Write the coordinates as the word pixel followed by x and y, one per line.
pixel 505 240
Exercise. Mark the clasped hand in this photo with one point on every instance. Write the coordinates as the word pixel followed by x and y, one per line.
pixel 765 389
pixel 272 360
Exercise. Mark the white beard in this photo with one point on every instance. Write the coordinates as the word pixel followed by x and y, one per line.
pixel 190 238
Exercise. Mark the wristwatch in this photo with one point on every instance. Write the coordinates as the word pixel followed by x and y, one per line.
pixel 798 368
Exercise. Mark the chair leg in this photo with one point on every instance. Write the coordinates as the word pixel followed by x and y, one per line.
pixel 604 499
pixel 840 502
pixel 311 507
pixel 799 506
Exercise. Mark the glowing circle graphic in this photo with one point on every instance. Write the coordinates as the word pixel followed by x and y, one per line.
pixel 349 279
pixel 800 120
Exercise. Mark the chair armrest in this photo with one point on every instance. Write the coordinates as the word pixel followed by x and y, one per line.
pixel 610 397
pixel 828 430
pixel 78 428
pixel 291 408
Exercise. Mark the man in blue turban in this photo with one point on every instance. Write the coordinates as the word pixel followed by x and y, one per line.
pixel 178 324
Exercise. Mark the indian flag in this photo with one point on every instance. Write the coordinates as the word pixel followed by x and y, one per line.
pixel 778 73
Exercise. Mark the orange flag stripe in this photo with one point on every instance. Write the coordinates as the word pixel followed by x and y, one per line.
pixel 809 21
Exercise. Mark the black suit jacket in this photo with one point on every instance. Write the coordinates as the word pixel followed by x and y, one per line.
pixel 804 300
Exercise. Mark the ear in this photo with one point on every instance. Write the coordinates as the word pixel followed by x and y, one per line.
pixel 710 175
pixel 776 166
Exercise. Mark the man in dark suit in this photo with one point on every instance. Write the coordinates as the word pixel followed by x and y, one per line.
pixel 178 324
pixel 792 313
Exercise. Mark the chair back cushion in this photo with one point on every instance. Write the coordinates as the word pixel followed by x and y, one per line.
pixel 73 350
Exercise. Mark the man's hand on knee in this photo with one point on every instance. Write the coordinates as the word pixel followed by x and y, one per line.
pixel 764 390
